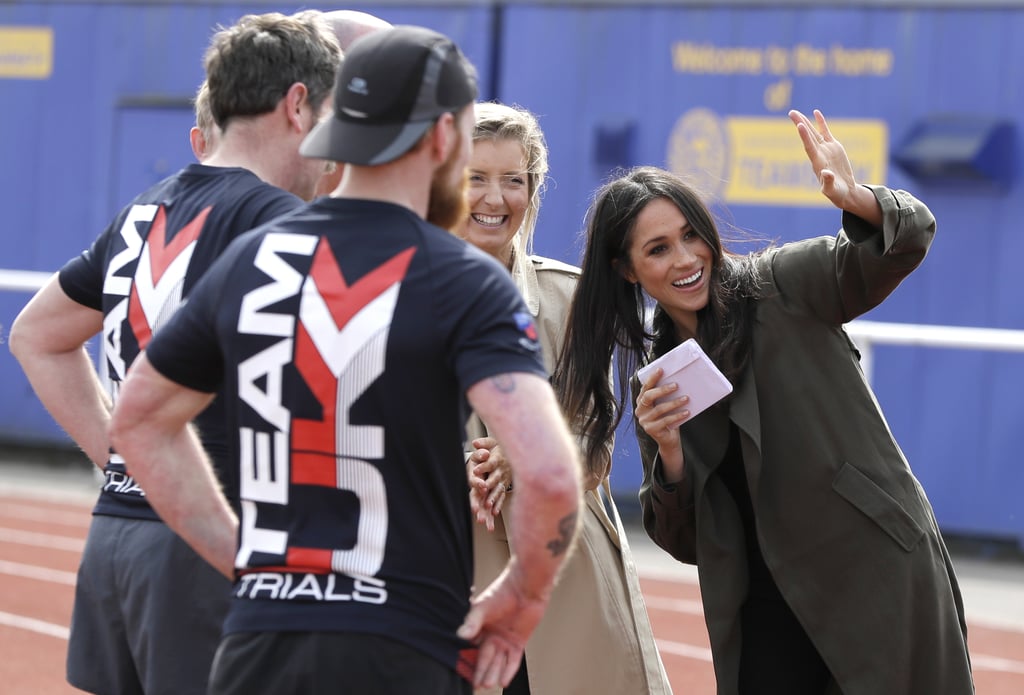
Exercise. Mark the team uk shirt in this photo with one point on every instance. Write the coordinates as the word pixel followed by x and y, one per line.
pixel 344 338
pixel 140 269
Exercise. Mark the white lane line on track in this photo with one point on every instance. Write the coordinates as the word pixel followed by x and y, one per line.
pixel 43 574
pixel 33 625
pixel 687 650
pixel 677 605
pixel 667 574
pixel 84 498
pixel 41 540
pixel 984 662
pixel 979 662
pixel 23 511
pixel 694 607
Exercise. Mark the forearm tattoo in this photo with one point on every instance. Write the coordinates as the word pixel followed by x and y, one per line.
pixel 506 383
pixel 566 527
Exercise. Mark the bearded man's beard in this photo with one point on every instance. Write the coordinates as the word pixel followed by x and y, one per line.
pixel 447 207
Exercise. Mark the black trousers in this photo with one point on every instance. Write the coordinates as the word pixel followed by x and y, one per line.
pixel 777 657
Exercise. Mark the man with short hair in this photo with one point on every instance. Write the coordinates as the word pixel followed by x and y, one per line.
pixel 148 611
pixel 351 339
pixel 203 135
pixel 348 25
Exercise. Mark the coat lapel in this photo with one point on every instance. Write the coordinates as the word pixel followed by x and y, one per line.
pixel 596 501
pixel 747 416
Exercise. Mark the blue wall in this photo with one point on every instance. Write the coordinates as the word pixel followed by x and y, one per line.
pixel 694 86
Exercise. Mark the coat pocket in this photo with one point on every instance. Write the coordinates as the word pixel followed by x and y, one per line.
pixel 860 491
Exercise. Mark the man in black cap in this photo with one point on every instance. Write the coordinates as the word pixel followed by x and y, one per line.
pixel 349 337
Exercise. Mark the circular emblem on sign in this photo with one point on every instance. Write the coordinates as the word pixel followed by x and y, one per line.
pixel 698 150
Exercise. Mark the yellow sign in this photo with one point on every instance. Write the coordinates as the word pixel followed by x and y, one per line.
pixel 26 52
pixel 761 160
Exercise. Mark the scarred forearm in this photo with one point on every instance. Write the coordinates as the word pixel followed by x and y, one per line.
pixel 522 414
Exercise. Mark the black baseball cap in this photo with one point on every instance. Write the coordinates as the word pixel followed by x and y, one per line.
pixel 392 86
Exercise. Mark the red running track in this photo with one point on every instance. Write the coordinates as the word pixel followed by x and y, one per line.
pixel 41 541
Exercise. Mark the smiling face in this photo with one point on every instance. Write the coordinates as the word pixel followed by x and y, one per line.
pixel 498 196
pixel 670 261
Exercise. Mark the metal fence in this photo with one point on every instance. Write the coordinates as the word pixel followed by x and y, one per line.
pixel 866 334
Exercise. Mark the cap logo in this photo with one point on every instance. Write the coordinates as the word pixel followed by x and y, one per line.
pixel 358 85
pixel 391 88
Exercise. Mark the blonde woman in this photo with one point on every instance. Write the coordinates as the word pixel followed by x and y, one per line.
pixel 595 636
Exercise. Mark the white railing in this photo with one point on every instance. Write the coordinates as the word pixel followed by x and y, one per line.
pixel 866 334
pixel 22 280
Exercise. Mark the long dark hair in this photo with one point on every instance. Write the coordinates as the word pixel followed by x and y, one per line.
pixel 608 311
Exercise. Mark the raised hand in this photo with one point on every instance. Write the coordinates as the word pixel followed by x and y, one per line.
pixel 833 169
pixel 828 157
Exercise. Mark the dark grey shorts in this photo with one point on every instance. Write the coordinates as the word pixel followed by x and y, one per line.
pixel 327 663
pixel 147 614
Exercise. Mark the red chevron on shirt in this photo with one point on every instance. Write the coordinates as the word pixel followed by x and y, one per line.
pixel 337 323
pixel 160 274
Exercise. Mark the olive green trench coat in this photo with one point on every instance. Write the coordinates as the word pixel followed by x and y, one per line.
pixel 843 524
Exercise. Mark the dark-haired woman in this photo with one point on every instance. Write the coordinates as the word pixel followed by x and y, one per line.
pixel 821 566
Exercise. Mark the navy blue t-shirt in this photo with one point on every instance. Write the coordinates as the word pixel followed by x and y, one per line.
pixel 344 338
pixel 140 269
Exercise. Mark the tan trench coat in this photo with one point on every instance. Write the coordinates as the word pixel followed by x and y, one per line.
pixel 595 637
pixel 844 526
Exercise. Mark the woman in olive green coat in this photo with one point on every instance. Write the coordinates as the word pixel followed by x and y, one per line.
pixel 821 566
